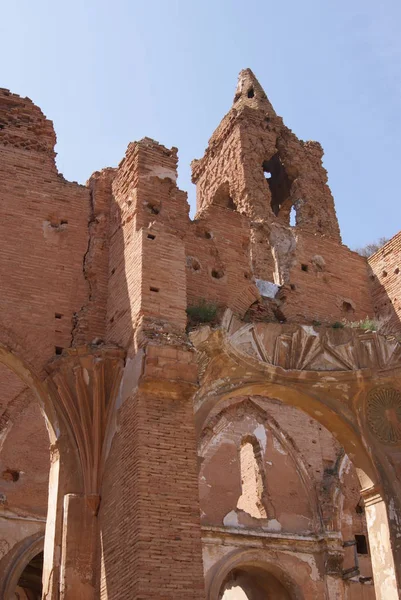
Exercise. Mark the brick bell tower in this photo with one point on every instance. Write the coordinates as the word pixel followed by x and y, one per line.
pixel 269 171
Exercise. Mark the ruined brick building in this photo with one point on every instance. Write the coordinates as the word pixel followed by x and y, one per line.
pixel 219 427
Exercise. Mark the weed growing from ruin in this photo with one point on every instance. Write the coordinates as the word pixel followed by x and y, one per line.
pixel 338 325
pixel 366 324
pixel 203 312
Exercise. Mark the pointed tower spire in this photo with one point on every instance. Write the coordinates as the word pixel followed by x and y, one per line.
pixel 250 93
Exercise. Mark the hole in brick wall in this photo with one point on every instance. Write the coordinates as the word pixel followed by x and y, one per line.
pixel 58 316
pixel 223 198
pixel 153 208
pixel 372 277
pixel 113 270
pixel 193 263
pixel 293 216
pixel 154 289
pixel 248 275
pixel 111 320
pixel 151 236
pixel 292 286
pixel 63 222
pixel 361 544
pixel 58 350
pixel 347 307
pixel 217 273
pixel 304 268
pixel 396 271
pixel 251 93
pixel 384 273
pixel 10 475
pixel 360 509
pixel 278 181
pixel 208 235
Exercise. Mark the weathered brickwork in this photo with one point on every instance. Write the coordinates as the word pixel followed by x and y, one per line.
pixel 219 426
pixel 386 283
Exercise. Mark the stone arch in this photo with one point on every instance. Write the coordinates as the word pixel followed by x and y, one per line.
pixel 289 387
pixel 22 554
pixel 14 358
pixel 254 559
pixel 342 428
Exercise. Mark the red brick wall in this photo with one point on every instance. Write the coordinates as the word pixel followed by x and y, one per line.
pixel 149 515
pixel 321 291
pixel 386 283
pixel 43 232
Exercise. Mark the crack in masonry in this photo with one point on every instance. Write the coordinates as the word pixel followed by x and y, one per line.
pixel 76 316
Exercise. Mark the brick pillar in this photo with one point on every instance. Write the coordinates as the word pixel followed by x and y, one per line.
pixel 149 514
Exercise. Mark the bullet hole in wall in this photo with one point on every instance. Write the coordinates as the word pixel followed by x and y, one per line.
pixel 10 475
pixel 193 263
pixel 278 181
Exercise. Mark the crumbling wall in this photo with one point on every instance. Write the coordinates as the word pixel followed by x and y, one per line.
pixel 326 282
pixel 218 260
pixel 44 233
pixel 385 280
pixel 254 165
pixel 268 170
pixel 147 281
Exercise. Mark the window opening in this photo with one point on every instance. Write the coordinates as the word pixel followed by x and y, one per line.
pixel 251 499
pixel 361 544
pixel 223 198
pixel 251 92
pixel 278 181
pixel 293 216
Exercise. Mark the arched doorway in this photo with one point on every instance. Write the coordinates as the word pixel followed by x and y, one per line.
pixel 253 583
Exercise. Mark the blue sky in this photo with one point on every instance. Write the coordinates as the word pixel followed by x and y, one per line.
pixel 108 73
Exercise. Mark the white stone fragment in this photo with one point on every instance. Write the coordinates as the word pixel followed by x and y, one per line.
pixel 267 289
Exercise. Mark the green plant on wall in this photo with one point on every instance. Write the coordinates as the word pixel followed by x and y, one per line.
pixel 203 312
